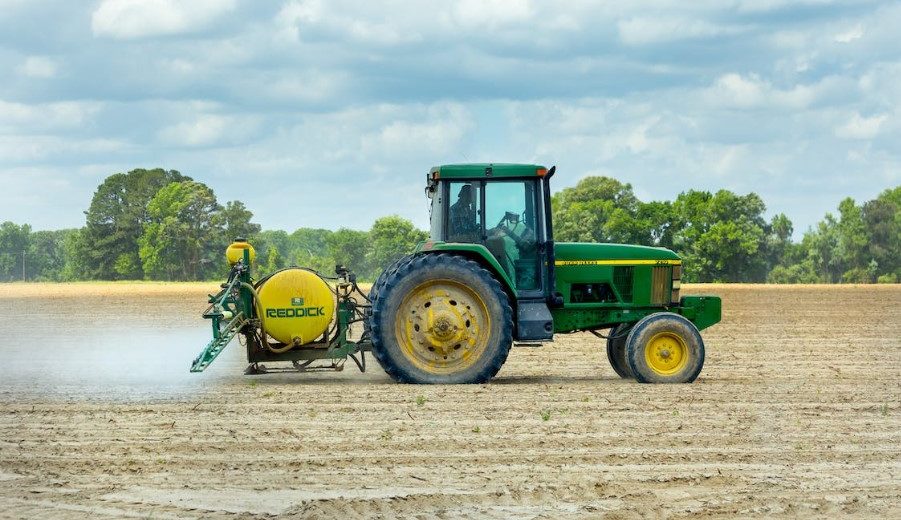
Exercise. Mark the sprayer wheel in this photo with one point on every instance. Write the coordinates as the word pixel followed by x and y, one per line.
pixel 441 319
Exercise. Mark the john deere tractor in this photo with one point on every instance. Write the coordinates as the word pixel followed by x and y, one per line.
pixel 490 277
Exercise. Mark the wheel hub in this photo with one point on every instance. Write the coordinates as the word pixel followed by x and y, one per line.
pixel 443 326
pixel 666 353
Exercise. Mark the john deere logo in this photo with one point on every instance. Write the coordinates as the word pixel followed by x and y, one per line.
pixel 296 302
pixel 296 312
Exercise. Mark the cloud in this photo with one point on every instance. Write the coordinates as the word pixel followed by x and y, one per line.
pixel 24 118
pixel 291 103
pixel 492 13
pixel 854 33
pixel 132 19
pixel 753 92
pixel 644 30
pixel 295 14
pixel 40 67
pixel 437 130
pixel 205 130
pixel 859 127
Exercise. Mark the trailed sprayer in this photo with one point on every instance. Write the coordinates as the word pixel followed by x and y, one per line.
pixel 490 277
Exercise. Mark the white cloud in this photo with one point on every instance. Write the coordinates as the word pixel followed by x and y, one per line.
pixel 753 92
pixel 666 94
pixel 859 127
pixel 24 118
pixel 854 33
pixel 40 67
pixel 439 130
pixel 129 19
pixel 492 13
pixel 206 130
pixel 298 18
pixel 293 15
pixel 643 30
pixel 33 149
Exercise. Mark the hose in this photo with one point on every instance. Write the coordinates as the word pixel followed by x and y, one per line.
pixel 261 316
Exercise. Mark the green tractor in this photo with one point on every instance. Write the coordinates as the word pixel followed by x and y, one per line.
pixel 490 277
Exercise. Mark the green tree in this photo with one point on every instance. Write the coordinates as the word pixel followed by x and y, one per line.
pixel 882 219
pixel 853 238
pixel 779 239
pixel 599 209
pixel 115 221
pixel 389 239
pixel 722 236
pixel 47 255
pixel 274 260
pixel 348 247
pixel 177 244
pixel 14 241
pixel 307 243
pixel 822 246
pixel 74 267
pixel 236 219
pixel 657 222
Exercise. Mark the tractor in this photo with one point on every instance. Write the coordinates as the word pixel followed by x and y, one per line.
pixel 490 277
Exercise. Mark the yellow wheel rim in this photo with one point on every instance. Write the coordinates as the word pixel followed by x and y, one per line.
pixel 666 353
pixel 443 327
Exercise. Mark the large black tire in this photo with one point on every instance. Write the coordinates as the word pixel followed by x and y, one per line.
pixel 616 350
pixel 377 286
pixel 665 348
pixel 441 319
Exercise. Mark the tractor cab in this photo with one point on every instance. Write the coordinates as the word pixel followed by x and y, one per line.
pixel 502 207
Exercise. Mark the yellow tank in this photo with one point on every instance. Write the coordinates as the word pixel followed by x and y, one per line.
pixel 235 251
pixel 297 306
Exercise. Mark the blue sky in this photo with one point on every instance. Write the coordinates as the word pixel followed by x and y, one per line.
pixel 330 113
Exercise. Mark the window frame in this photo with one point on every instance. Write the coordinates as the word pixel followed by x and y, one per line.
pixel 539 220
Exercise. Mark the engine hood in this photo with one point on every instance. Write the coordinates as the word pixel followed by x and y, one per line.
pixel 576 251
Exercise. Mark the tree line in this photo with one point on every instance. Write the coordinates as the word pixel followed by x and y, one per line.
pixel 724 237
pixel 162 225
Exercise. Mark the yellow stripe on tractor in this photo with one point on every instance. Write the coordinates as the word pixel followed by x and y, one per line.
pixel 559 263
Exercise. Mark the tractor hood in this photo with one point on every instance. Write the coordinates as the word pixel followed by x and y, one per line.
pixel 582 251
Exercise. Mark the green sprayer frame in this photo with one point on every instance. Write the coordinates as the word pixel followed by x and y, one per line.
pixel 233 311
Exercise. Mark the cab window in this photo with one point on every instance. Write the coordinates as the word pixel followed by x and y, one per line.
pixel 512 230
pixel 464 223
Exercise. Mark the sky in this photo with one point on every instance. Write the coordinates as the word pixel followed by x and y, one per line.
pixel 329 113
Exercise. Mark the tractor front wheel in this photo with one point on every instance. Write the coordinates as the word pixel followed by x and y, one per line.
pixel 616 350
pixel 441 319
pixel 665 348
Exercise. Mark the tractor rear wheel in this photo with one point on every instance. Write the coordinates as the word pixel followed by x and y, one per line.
pixel 665 348
pixel 441 319
pixel 377 287
pixel 616 350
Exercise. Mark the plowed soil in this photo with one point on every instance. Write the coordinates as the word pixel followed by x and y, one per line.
pixel 796 414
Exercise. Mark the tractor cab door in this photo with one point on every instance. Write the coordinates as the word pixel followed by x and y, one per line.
pixel 505 216
pixel 513 232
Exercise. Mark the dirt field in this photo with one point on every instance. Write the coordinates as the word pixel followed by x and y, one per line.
pixel 796 414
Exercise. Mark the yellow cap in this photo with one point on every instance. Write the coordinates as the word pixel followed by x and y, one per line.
pixel 235 251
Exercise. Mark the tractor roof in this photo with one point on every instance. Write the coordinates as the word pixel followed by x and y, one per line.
pixel 487 170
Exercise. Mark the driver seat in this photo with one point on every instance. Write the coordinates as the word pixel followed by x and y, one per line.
pixel 498 248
